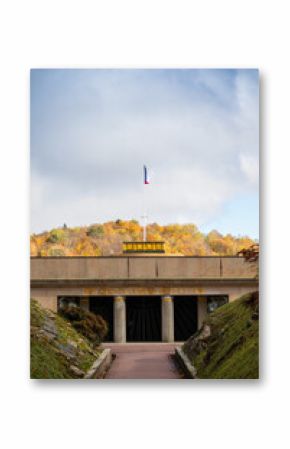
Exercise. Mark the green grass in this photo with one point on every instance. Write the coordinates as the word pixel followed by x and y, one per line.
pixel 37 314
pixel 45 362
pixel 46 359
pixel 67 332
pixel 232 350
pixel 86 361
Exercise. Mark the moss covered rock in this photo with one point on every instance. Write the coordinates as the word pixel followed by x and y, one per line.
pixel 227 345
pixel 58 351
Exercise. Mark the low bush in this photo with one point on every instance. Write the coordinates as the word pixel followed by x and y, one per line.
pixel 57 235
pixel 56 252
pixel 92 326
pixel 95 231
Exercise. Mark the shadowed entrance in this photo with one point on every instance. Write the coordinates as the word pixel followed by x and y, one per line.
pixel 185 317
pixel 104 306
pixel 143 318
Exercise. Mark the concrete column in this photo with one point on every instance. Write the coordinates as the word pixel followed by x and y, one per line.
pixel 201 310
pixel 119 319
pixel 167 319
pixel 85 304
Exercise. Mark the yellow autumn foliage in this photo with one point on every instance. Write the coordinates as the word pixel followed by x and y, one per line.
pixel 104 239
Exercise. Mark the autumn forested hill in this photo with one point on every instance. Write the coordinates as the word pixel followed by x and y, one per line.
pixel 106 239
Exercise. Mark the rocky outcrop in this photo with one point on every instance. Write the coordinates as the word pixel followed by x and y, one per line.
pixel 197 342
pixel 227 345
pixel 57 349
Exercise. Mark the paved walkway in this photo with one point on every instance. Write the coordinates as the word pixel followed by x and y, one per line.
pixel 142 361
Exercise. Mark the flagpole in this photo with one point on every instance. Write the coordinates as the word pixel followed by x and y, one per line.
pixel 144 205
pixel 144 227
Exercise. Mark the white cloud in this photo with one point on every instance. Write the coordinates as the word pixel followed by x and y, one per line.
pixel 250 168
pixel 91 136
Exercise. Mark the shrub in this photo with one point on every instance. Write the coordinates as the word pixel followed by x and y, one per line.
pixel 95 231
pixel 56 252
pixel 92 326
pixel 55 236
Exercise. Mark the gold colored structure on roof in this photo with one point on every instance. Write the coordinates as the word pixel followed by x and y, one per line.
pixel 143 247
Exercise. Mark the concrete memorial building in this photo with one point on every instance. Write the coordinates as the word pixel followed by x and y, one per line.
pixel 144 295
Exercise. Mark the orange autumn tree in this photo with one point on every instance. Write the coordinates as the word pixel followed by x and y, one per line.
pixel 104 239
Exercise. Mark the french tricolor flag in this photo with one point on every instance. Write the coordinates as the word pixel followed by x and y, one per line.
pixel 146 176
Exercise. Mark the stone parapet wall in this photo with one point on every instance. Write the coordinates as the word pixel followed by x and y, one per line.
pixel 150 268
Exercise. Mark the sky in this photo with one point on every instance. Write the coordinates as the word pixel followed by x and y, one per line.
pixel 197 131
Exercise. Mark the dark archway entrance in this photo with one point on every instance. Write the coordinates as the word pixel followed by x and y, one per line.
pixel 143 318
pixel 185 317
pixel 104 306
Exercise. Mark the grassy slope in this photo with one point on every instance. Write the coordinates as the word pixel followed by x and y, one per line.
pixel 48 361
pixel 232 350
